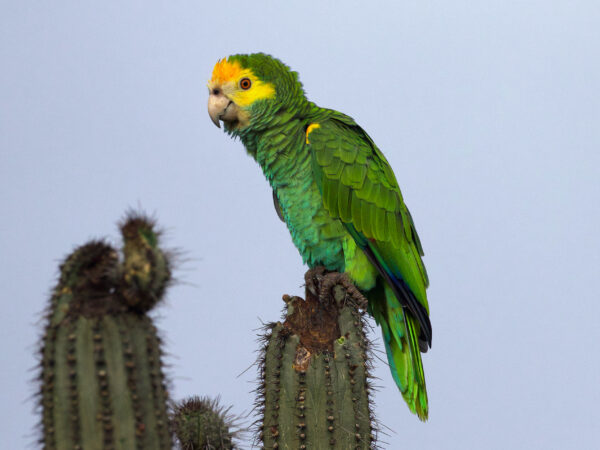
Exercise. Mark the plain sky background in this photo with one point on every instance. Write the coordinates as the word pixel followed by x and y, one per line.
pixel 489 113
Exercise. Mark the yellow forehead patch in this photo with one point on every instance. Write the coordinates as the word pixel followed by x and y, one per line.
pixel 228 74
pixel 225 71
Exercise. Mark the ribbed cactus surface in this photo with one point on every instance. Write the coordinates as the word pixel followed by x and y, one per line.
pixel 102 383
pixel 315 380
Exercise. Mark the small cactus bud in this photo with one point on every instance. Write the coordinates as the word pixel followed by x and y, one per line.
pixel 201 423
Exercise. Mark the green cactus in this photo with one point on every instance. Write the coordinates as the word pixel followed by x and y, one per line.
pixel 202 424
pixel 102 382
pixel 314 391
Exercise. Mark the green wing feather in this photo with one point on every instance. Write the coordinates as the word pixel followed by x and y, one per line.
pixel 359 188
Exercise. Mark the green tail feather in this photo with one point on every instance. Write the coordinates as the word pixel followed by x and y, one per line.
pixel 402 347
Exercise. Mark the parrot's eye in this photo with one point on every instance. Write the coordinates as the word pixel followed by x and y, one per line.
pixel 245 83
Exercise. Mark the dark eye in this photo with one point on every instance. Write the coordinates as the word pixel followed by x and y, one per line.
pixel 245 83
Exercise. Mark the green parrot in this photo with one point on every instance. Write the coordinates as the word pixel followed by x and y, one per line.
pixel 338 196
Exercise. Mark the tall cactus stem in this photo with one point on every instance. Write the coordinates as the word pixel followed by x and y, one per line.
pixel 314 372
pixel 102 383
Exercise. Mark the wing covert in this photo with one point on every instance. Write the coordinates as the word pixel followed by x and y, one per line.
pixel 358 185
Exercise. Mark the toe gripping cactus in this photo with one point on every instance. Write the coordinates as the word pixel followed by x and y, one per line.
pixel 102 383
pixel 314 387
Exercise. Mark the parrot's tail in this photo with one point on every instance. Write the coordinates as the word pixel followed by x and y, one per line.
pixel 400 335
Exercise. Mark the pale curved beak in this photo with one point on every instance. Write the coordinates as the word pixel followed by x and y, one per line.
pixel 220 108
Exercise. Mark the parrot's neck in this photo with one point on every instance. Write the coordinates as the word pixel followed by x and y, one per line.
pixel 280 149
pixel 282 155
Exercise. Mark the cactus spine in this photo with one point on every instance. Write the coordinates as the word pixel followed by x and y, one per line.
pixel 315 373
pixel 102 384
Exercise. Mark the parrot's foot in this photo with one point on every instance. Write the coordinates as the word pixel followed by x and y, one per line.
pixel 313 278
pixel 335 278
pixel 320 282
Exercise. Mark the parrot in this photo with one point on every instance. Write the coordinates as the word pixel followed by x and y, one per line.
pixel 339 198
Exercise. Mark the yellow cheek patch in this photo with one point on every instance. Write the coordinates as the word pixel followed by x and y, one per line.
pixel 231 73
pixel 311 127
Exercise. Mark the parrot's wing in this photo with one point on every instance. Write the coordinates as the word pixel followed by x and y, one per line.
pixel 359 187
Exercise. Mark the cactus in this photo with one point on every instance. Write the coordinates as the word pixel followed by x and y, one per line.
pixel 201 423
pixel 102 383
pixel 314 372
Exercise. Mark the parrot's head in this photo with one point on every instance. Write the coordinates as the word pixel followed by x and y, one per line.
pixel 246 91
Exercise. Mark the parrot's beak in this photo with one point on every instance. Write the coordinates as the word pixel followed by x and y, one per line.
pixel 220 107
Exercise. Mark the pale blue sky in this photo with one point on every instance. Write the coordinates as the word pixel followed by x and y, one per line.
pixel 489 113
